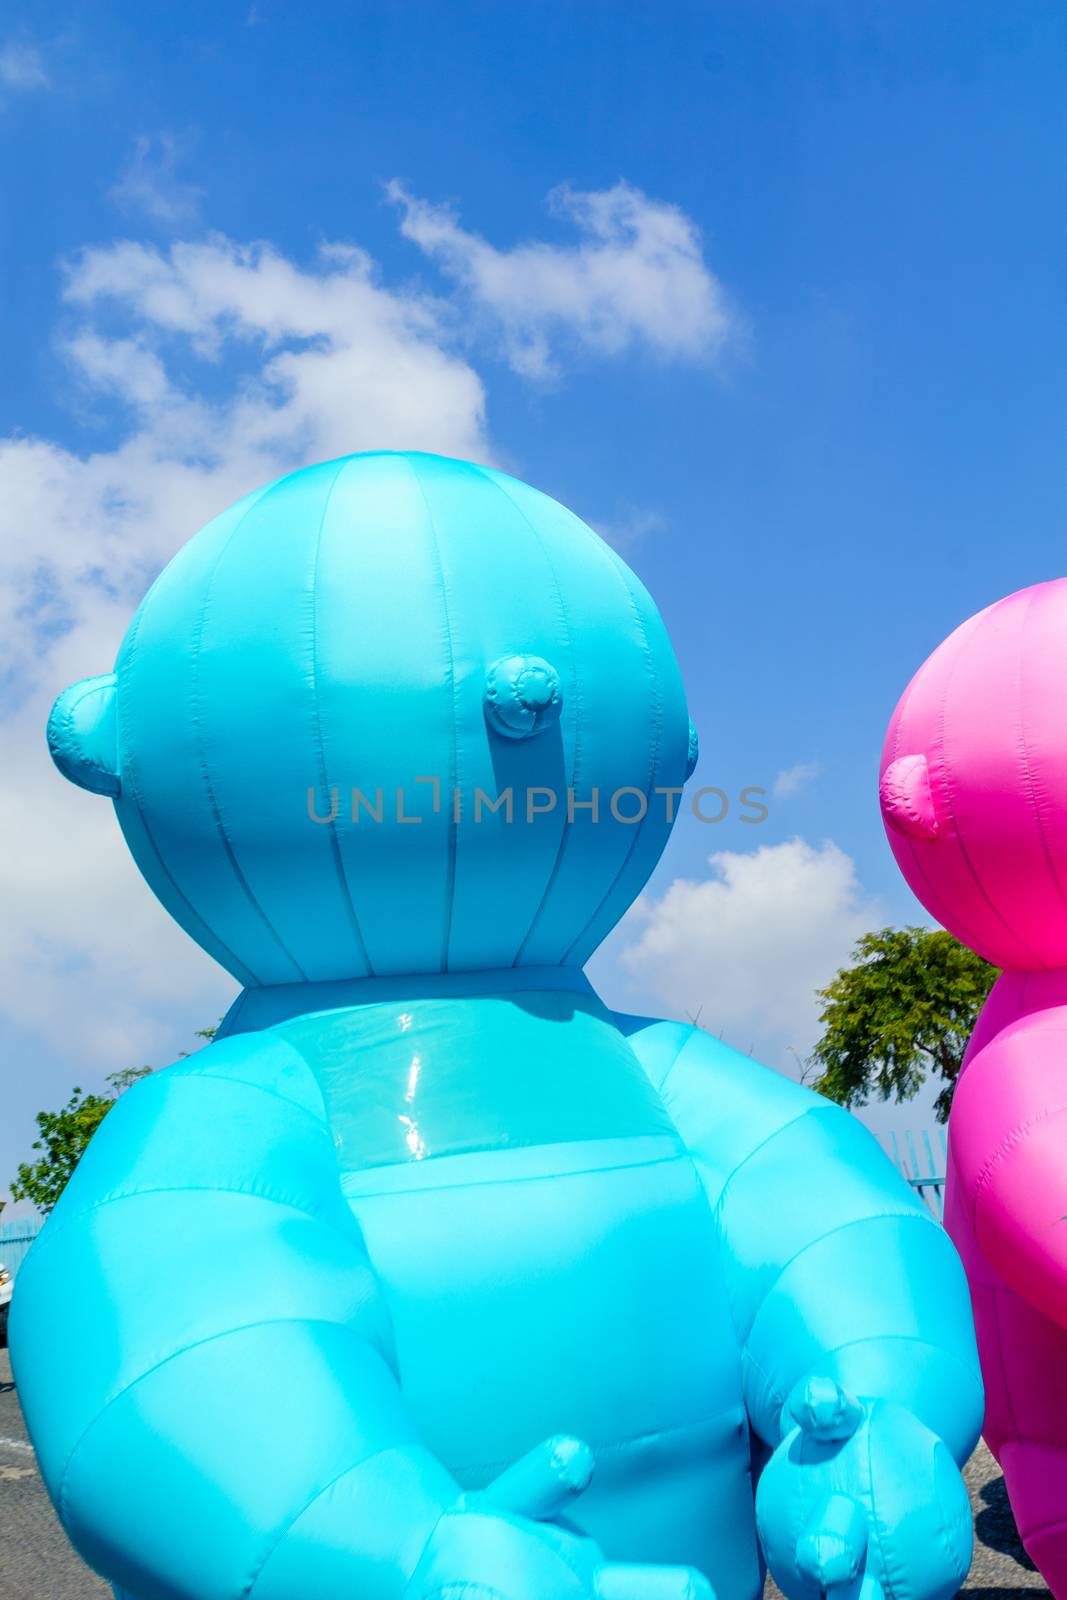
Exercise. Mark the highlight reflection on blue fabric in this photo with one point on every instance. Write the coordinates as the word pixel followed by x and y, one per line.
pixel 431 1276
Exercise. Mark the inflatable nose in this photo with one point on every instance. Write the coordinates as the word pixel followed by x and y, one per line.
pixel 522 696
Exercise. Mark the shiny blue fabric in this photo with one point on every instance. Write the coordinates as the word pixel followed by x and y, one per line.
pixel 431 1276
pixel 335 631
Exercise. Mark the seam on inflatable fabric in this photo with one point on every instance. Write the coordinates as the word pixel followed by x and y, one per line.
pixel 1036 1444
pixel 1046 1527
pixel 1006 1387
pixel 1027 771
pixel 886 1338
pixel 320 744
pixel 841 1227
pixel 294 1050
pixel 808 1111
pixel 531 1177
pixel 460 1589
pixel 199 740
pixel 514 1520
pixel 110 682
pixel 1037 1020
pixel 568 640
pixel 776 1400
pixel 973 1373
pixel 201 1075
pixel 655 745
pixel 876 1528
pixel 688 1034
pixel 608 1446
pixel 947 782
pixel 1005 1146
pixel 562 1552
pixel 131 790
pixel 49 1234
pixel 410 1578
pixel 316 1495
pixel 937 905
pixel 186 1349
pixel 696 1160
pixel 439 568
pixel 353 1228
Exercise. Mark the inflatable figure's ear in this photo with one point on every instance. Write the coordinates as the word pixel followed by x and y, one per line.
pixel 522 696
pixel 907 799
pixel 83 736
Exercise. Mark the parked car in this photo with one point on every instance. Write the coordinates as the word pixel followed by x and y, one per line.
pixel 5 1301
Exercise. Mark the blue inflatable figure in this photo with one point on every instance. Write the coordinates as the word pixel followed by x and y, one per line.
pixel 430 1276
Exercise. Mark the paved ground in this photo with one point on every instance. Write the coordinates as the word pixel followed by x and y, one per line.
pixel 37 1563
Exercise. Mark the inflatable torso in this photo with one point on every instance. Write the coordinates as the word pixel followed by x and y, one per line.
pixel 547 1253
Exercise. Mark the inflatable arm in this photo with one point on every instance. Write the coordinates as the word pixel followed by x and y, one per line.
pixel 835 1268
pixel 217 1416
pixel 1009 1124
pixel 858 1359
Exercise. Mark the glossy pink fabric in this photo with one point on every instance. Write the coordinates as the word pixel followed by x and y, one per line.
pixel 974 797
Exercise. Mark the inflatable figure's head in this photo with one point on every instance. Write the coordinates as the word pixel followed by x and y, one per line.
pixel 974 781
pixel 327 692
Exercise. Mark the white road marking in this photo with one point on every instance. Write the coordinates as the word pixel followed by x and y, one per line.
pixel 15 1444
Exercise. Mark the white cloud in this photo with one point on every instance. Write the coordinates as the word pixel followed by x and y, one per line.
pixel 338 363
pixel 150 183
pixel 82 938
pixel 301 363
pixel 748 946
pixel 21 68
pixel 217 366
pixel 630 526
pixel 794 779
pixel 637 276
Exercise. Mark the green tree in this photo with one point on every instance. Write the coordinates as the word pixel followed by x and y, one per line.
pixel 65 1135
pixel 903 1011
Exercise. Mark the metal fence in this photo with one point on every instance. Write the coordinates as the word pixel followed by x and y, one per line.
pixel 15 1240
pixel 922 1158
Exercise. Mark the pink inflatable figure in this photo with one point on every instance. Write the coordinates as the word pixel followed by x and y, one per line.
pixel 974 798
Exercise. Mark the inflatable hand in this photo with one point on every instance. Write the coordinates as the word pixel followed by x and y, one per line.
pixel 500 1544
pixel 861 1500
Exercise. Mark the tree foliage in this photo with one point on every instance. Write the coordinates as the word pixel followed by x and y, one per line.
pixel 902 1012
pixel 65 1135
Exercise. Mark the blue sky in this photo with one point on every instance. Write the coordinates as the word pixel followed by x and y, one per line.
pixel 808 375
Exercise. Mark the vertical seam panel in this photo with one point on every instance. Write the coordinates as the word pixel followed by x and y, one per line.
pixel 439 572
pixel 655 744
pixel 320 745
pixel 198 740
pixel 577 702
